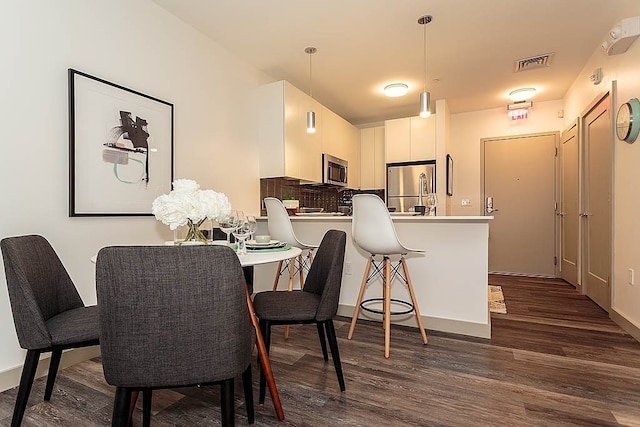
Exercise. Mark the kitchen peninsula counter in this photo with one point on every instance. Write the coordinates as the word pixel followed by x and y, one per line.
pixel 450 278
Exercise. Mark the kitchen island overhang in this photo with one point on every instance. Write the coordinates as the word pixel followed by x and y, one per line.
pixel 450 278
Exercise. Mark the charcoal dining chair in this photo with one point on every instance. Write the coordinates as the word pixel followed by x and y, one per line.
pixel 48 312
pixel 316 303
pixel 173 316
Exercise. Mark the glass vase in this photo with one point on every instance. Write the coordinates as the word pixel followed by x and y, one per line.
pixel 194 233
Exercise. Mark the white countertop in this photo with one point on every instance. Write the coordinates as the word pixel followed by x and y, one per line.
pixel 403 218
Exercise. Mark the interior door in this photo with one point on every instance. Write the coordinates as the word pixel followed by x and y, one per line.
pixel 569 208
pixel 597 203
pixel 519 179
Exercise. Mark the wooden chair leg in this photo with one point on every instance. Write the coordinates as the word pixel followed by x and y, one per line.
pixel 265 328
pixel 292 265
pixel 323 342
pixel 277 279
pixel 26 381
pixel 247 385
pixel 147 396
pixel 226 402
pixel 414 301
pixel 335 354
pixel 54 363
pixel 387 306
pixel 121 405
pixel 301 268
pixel 356 310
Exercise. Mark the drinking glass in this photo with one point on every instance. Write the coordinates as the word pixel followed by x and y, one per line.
pixel 431 202
pixel 241 232
pixel 228 223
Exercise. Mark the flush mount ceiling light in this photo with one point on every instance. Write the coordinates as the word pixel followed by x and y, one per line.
pixel 522 94
pixel 425 97
pixel 395 90
pixel 311 115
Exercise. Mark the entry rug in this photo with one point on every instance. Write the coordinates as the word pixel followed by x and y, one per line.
pixel 496 300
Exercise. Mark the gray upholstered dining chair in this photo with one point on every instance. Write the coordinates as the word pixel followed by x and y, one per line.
pixel 48 312
pixel 173 317
pixel 316 303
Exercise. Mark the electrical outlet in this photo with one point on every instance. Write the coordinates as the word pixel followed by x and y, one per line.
pixel 465 202
pixel 347 268
pixel 631 277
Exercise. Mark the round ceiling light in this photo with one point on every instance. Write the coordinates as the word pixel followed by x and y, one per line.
pixel 522 94
pixel 395 90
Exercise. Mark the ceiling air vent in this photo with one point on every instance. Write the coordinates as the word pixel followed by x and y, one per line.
pixel 534 62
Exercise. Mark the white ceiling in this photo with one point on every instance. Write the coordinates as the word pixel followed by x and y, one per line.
pixel 365 44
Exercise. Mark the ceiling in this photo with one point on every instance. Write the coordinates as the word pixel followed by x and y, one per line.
pixel 365 44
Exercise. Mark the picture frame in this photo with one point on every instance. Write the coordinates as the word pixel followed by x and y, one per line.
pixel 120 148
pixel 449 175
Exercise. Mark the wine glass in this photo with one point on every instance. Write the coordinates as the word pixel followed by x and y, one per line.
pixel 241 232
pixel 431 202
pixel 253 225
pixel 227 223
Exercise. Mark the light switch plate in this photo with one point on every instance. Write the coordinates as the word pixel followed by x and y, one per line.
pixel 465 202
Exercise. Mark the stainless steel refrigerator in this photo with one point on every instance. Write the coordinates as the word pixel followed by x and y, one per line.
pixel 402 183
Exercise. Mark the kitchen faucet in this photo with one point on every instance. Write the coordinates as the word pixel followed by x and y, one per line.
pixel 422 182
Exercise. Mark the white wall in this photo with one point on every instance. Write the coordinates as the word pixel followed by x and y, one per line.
pixel 622 68
pixel 138 45
pixel 467 129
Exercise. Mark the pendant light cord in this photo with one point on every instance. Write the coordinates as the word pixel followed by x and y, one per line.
pixel 425 56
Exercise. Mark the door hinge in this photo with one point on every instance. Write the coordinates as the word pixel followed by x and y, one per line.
pixel 555 260
pixel 556 152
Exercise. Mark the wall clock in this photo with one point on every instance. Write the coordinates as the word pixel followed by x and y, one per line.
pixel 628 121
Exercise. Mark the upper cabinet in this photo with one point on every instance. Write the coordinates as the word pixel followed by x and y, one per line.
pixel 372 158
pixel 410 139
pixel 286 148
pixel 342 140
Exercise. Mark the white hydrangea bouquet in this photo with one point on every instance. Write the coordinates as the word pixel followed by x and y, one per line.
pixel 188 205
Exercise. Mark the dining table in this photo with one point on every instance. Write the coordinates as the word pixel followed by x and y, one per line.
pixel 253 257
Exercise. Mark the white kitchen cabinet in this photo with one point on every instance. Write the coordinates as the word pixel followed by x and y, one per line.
pixel 410 139
pixel 372 158
pixel 285 147
pixel 342 140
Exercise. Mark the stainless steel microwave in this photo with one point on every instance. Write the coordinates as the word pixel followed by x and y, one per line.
pixel 334 170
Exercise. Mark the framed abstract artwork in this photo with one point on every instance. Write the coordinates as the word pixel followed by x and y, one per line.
pixel 120 148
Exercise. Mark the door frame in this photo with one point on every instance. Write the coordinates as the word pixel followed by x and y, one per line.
pixel 612 132
pixel 483 196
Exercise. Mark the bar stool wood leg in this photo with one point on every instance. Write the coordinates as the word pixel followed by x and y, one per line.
pixel 414 300
pixel 356 311
pixel 387 306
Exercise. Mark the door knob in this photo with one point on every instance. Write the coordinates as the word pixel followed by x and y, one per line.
pixel 490 209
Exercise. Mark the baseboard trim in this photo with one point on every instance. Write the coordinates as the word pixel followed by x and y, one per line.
pixel 622 321
pixel 480 330
pixel 11 377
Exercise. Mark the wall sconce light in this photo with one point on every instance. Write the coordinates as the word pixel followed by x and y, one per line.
pixel 622 36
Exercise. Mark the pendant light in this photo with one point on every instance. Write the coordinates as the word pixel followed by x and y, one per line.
pixel 311 115
pixel 425 97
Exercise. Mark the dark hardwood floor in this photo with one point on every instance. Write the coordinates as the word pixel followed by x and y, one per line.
pixel 556 359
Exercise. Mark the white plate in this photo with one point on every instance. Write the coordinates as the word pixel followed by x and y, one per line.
pixel 319 213
pixel 262 245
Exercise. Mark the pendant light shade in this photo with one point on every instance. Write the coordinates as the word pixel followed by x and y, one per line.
pixel 425 100
pixel 425 97
pixel 311 115
pixel 311 122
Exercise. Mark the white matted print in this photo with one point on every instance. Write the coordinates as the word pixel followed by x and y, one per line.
pixel 120 148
